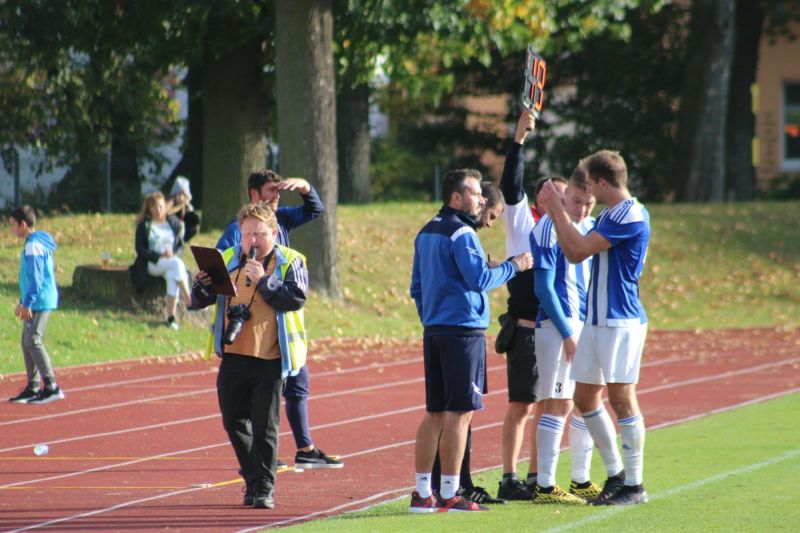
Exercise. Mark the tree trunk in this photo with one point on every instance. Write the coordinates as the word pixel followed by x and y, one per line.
pixel 700 157
pixel 307 125
pixel 126 183
pixel 234 118
pixel 353 140
pixel 741 175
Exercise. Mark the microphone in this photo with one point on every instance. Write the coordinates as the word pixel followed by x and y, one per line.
pixel 250 255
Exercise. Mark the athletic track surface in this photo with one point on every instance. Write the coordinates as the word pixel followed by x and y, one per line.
pixel 138 445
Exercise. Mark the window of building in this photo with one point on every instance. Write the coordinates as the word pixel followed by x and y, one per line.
pixel 791 127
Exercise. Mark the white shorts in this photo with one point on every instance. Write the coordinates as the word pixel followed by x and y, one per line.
pixel 609 355
pixel 554 370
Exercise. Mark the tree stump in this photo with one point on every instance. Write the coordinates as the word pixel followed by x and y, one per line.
pixel 112 286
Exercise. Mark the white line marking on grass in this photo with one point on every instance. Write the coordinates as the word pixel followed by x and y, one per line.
pixel 608 512
pixel 492 467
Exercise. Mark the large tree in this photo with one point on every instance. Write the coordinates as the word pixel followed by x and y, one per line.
pixel 702 120
pixel 307 124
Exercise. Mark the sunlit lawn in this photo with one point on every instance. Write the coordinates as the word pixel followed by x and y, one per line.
pixel 733 265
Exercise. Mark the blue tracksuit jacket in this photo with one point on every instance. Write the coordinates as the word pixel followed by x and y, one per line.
pixel 450 276
pixel 37 278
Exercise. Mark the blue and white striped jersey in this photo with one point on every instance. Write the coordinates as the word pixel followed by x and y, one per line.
pixel 571 280
pixel 614 290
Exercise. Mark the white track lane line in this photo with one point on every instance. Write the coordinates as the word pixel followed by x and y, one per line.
pixel 333 424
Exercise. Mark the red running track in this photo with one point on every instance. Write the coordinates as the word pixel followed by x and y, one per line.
pixel 138 445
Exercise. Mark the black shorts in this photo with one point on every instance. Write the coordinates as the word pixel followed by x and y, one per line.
pixel 455 371
pixel 521 366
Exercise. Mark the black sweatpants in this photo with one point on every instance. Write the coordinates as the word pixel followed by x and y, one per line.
pixel 249 393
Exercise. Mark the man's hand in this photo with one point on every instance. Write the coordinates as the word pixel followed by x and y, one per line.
pixel 523 261
pixel 203 278
pixel 525 125
pixel 570 345
pixel 295 184
pixel 167 253
pixel 254 270
pixel 25 313
pixel 551 198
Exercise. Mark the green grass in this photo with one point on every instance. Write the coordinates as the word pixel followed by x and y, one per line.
pixel 732 265
pixel 734 471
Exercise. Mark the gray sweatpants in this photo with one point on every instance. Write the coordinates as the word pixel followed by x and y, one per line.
pixel 37 361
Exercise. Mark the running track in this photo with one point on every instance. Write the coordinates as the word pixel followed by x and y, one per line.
pixel 138 445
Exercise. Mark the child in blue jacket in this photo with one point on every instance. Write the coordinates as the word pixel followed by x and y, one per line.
pixel 38 297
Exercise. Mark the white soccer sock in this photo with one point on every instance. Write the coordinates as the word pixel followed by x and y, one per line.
pixel 631 430
pixel 548 443
pixel 580 447
pixel 424 484
pixel 602 431
pixel 449 486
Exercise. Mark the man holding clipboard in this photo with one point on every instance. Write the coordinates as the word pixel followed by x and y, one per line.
pixel 267 186
pixel 260 335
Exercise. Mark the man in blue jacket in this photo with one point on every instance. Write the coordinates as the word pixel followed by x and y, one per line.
pixel 266 186
pixel 449 281
pixel 38 296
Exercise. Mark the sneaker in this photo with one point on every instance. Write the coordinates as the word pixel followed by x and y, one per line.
pixel 555 494
pixel 26 395
pixel 316 458
pixel 172 323
pixel 420 505
pixel 514 489
pixel 280 466
pixel 627 495
pixel 47 395
pixel 610 487
pixel 481 495
pixel 458 504
pixel 588 491
pixel 263 499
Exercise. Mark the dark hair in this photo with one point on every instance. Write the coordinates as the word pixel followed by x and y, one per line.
pixel 609 166
pixel 24 213
pixel 258 178
pixel 541 181
pixel 579 177
pixel 492 193
pixel 454 182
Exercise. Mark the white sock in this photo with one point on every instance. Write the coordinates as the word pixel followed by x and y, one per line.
pixel 449 486
pixel 580 447
pixel 424 484
pixel 605 438
pixel 631 430
pixel 548 442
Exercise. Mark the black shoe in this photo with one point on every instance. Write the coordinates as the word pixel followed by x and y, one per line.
pixel 514 489
pixel 263 499
pixel 316 458
pixel 249 495
pixel 47 395
pixel 26 395
pixel 481 495
pixel 610 488
pixel 627 495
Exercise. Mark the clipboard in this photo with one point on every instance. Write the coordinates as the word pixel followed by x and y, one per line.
pixel 210 261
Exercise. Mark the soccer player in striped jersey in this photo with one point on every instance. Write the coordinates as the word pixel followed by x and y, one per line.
pixel 610 348
pixel 561 289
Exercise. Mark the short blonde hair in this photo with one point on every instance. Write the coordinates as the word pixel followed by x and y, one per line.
pixel 258 210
